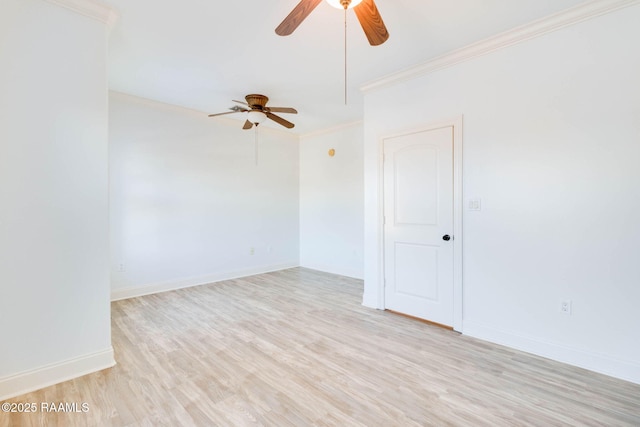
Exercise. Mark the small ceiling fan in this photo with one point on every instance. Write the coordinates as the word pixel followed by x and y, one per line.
pixel 365 10
pixel 257 111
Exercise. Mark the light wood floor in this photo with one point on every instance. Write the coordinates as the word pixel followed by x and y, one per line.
pixel 296 348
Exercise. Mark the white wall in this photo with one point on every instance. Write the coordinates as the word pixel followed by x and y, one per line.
pixel 331 201
pixel 188 201
pixel 551 146
pixel 54 272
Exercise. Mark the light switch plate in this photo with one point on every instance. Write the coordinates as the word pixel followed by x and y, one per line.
pixel 475 204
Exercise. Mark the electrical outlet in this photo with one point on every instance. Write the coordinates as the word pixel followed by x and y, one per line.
pixel 252 251
pixel 565 307
pixel 121 268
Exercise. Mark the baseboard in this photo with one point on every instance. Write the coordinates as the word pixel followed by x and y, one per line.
pixel 332 270
pixel 45 376
pixel 138 291
pixel 371 301
pixel 623 369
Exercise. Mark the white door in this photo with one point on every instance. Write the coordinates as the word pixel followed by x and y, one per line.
pixel 418 224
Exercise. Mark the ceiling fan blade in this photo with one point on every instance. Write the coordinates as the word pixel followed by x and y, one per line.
pixel 280 120
pixel 240 102
pixel 283 110
pixel 247 125
pixel 222 114
pixel 371 22
pixel 297 15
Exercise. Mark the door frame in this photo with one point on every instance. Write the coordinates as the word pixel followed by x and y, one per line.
pixel 456 123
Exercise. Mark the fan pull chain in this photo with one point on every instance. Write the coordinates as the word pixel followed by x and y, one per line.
pixel 345 55
pixel 255 146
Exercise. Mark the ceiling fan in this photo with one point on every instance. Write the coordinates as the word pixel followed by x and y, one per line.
pixel 365 10
pixel 257 111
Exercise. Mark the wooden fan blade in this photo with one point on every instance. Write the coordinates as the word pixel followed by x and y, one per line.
pixel 280 120
pixel 371 22
pixel 283 110
pixel 297 15
pixel 247 125
pixel 222 114
pixel 240 102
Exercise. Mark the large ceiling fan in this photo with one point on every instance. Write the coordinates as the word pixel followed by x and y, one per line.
pixel 257 111
pixel 365 10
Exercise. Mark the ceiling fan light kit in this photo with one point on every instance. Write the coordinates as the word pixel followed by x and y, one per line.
pixel 344 4
pixel 256 117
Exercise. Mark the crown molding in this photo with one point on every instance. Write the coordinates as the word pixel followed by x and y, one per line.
pixel 511 37
pixel 90 8
pixel 332 129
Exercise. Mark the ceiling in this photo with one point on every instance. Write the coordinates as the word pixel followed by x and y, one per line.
pixel 201 54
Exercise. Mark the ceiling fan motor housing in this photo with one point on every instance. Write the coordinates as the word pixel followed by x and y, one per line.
pixel 256 101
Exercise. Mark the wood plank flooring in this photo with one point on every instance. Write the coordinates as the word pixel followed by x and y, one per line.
pixel 296 348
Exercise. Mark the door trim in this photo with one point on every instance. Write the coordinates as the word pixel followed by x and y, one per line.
pixel 456 123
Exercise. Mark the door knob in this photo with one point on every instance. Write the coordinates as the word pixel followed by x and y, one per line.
pixel 446 237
